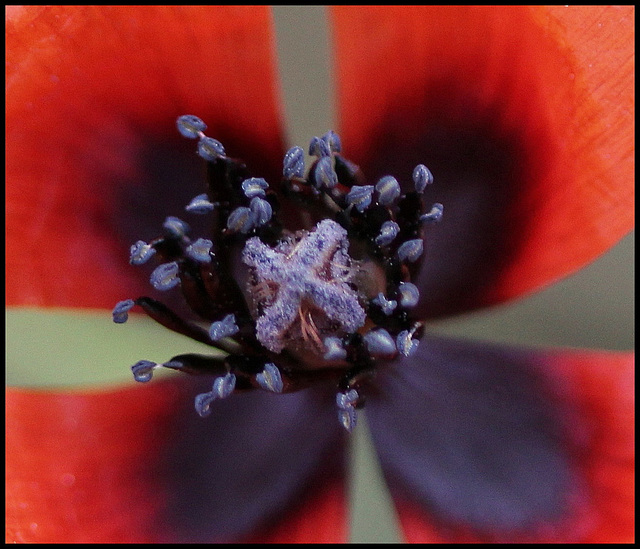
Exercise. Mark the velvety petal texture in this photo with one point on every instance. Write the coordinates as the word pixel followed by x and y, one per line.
pixel 139 465
pixel 94 161
pixel 487 443
pixel 525 116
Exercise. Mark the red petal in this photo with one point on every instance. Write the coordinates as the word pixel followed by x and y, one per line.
pixel 137 465
pixel 320 518
pixel 52 484
pixel 92 98
pixel 525 116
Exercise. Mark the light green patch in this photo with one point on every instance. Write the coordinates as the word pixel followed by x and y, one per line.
pixel 79 348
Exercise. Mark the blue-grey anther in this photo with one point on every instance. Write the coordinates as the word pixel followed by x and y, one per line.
pixel 121 311
pixel 422 177
pixel 190 126
pixel 347 399
pixel 319 147
pixel 387 305
pixel 388 231
pixel 241 220
pixel 203 403
pixel 254 186
pixel 210 149
pixel 223 328
pixel 406 345
pixel 434 215
pixel 261 210
pixel 388 190
pixel 143 370
pixel 380 343
pixel 200 205
pixel 140 253
pixel 325 174
pixel 348 418
pixel 200 250
pixel 293 165
pixel 360 196
pixel 334 349
pixel 409 295
pixel 165 276
pixel 332 139
pixel 175 227
pixel 224 386
pixel 346 409
pixel 410 250
pixel 270 379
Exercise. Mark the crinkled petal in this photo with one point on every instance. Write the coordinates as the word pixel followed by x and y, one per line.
pixel 94 159
pixel 493 444
pixel 139 465
pixel 525 116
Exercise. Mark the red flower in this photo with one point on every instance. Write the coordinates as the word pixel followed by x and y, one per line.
pixel 524 115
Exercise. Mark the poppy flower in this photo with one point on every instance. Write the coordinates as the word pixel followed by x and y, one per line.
pixel 524 116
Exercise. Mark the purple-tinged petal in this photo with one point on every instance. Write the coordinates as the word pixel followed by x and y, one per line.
pixel 94 159
pixel 524 115
pixel 138 465
pixel 495 444
pixel 218 490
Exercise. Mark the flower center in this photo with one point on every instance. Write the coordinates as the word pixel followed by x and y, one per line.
pixel 328 301
pixel 300 289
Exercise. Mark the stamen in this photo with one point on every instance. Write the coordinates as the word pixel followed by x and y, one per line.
pixel 380 343
pixel 241 220
pixel 307 293
pixel 409 294
pixel 319 147
pixel 210 149
pixel 140 253
pixel 200 205
pixel 165 276
pixel 196 364
pixel 332 139
pixel 293 165
pixel 261 211
pixel 387 306
pixel 121 311
pixel 346 409
pixel 360 196
pixel 190 126
pixel 388 231
pixel 422 177
pixel 334 349
pixel 406 345
pixel 347 399
pixel 223 328
pixel 200 250
pixel 325 174
pixel 143 370
pixel 388 190
pixel 223 386
pixel 434 215
pixel 254 186
pixel 348 171
pixel 348 418
pixel 410 250
pixel 176 227
pixel 270 379
pixel 203 403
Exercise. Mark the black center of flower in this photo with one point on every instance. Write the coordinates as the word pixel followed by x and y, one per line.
pixel 317 303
